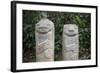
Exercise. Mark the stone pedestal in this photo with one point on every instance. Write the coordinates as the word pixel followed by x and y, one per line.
pixel 70 42
pixel 44 33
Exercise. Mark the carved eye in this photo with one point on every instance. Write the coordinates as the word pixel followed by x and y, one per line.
pixel 38 25
pixel 76 28
pixel 48 24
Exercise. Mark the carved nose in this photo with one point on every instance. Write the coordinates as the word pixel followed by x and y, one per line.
pixel 71 30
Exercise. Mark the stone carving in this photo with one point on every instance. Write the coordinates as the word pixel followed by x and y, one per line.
pixel 44 33
pixel 70 42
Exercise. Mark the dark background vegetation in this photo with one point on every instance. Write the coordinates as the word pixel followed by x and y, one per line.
pixel 30 18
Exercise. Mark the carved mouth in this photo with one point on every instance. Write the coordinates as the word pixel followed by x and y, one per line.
pixel 43 30
pixel 71 34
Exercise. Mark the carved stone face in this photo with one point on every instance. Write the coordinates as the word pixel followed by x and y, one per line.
pixel 44 26
pixel 70 29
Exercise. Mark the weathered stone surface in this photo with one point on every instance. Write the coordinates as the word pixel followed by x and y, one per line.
pixel 70 42
pixel 44 40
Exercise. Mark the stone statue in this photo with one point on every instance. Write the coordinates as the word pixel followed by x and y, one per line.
pixel 44 33
pixel 70 42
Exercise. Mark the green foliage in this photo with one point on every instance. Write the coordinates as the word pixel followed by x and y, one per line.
pixel 30 18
